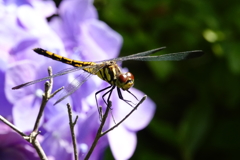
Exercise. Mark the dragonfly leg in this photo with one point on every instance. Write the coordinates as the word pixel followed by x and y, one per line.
pixel 121 97
pixel 103 99
pixel 110 93
pixel 132 94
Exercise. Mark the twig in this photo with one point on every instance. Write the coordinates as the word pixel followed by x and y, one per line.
pixel 98 135
pixel 72 124
pixel 42 107
pixel 45 97
pixel 39 149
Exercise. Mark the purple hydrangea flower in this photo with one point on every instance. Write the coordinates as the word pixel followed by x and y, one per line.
pixel 13 146
pixel 25 28
pixel 78 34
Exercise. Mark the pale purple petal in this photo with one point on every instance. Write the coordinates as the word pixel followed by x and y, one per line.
pixel 25 14
pixel 87 129
pixel 56 147
pixel 79 11
pixel 6 106
pixel 25 112
pixel 84 34
pixel 20 50
pixel 10 33
pixel 98 41
pixel 37 26
pixel 67 26
pixel 122 142
pixel 143 115
pixel 90 122
pixel 19 73
pixel 52 110
pixel 46 8
pixel 16 2
pixel 140 118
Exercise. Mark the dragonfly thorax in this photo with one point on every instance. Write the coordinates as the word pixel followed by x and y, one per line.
pixel 111 73
pixel 125 80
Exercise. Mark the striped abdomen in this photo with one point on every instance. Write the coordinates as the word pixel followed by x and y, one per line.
pixel 62 59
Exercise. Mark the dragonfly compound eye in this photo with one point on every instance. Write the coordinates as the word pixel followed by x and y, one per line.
pixel 125 81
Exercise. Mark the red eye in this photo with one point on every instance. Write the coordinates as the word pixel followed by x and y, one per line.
pixel 130 76
pixel 123 78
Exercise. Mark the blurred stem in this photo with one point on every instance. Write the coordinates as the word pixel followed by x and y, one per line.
pixel 72 124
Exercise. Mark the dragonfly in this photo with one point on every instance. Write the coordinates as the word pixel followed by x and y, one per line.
pixel 107 70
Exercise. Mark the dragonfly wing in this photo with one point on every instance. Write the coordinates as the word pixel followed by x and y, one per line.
pixel 74 85
pixel 63 72
pixel 137 54
pixel 145 53
pixel 168 57
pixel 77 83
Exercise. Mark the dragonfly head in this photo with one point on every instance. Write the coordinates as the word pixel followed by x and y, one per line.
pixel 125 81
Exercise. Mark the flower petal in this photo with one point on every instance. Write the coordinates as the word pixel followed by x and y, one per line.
pixel 140 118
pixel 98 41
pixel 25 112
pixel 17 74
pixel 56 147
pixel 122 142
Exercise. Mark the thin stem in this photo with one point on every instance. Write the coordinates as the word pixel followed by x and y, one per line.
pixel 54 93
pixel 45 98
pixel 72 124
pixel 99 132
pixel 39 149
pixel 42 107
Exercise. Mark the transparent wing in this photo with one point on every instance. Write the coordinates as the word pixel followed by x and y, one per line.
pixel 145 53
pixel 63 72
pixel 73 86
pixel 137 54
pixel 76 83
pixel 166 57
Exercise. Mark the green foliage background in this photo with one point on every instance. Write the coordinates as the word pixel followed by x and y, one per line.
pixel 198 101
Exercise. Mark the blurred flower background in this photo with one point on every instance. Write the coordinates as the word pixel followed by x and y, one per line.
pixel 71 29
pixel 197 101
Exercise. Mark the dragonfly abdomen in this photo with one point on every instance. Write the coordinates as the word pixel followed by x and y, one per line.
pixel 62 59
